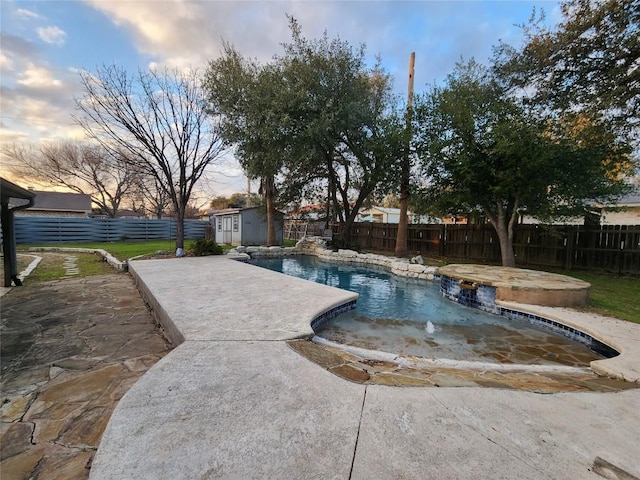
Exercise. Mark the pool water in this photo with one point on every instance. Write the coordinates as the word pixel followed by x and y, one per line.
pixel 409 317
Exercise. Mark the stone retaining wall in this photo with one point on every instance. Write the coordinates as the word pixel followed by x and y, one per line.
pixel 317 247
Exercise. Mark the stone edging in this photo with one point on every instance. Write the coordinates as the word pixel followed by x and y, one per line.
pixel 110 259
pixel 316 246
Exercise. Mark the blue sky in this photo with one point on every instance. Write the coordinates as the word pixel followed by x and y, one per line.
pixel 46 42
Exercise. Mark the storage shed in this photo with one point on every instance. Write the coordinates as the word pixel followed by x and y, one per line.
pixel 245 226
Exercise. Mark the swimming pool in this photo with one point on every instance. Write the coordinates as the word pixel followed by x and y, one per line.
pixel 410 317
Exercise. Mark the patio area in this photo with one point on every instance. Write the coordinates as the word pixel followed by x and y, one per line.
pixel 233 400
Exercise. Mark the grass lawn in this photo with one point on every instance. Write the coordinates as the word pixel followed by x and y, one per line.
pixel 124 250
pixel 612 296
pixel 51 267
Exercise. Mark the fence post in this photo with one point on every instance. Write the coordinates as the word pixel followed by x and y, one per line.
pixel 569 247
pixel 620 255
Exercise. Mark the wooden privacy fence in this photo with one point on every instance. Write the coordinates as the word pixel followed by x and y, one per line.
pixel 46 230
pixel 612 248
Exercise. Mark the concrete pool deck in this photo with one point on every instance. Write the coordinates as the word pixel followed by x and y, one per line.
pixel 233 400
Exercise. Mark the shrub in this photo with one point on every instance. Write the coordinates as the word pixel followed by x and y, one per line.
pixel 202 247
pixel 338 243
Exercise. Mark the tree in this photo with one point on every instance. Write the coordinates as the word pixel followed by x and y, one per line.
pixel 346 125
pixel 149 196
pixel 159 120
pixel 483 151
pixel 104 174
pixel 249 100
pixel 313 115
pixel 235 200
pixel 589 63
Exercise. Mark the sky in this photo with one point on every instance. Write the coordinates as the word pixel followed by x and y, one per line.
pixel 44 45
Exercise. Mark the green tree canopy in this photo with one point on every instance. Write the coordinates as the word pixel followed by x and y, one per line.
pixel 250 101
pixel 314 117
pixel 235 200
pixel 483 151
pixel 589 63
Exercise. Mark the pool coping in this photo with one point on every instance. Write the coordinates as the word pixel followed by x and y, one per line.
pixel 619 334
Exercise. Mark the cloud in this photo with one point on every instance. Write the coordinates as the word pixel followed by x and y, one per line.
pixel 38 77
pixel 5 62
pixel 16 47
pixel 24 13
pixel 183 33
pixel 52 35
pixel 36 96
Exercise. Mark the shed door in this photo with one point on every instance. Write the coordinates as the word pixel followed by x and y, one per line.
pixel 226 230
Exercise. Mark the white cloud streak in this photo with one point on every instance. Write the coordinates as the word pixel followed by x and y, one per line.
pixel 24 13
pixel 52 35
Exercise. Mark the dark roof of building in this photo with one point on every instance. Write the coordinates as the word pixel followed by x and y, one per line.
pixel 62 201
pixel 633 199
pixel 231 211
pixel 130 213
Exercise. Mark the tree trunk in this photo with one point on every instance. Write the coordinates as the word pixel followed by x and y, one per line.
pixel 180 229
pixel 401 237
pixel 346 226
pixel 269 194
pixel 331 191
pixel 505 233
pixel 506 246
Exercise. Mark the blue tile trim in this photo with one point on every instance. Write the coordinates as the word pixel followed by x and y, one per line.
pixel 334 312
pixel 483 297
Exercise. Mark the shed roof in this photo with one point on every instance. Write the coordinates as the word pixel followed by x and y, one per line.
pixel 233 211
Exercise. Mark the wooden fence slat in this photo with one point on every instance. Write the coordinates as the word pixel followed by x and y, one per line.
pixel 610 248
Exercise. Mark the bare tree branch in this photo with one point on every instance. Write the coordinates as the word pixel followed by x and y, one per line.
pixel 80 167
pixel 160 121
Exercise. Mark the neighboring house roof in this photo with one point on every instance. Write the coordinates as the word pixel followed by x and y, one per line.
pixel 627 201
pixel 130 214
pixel 390 211
pixel 14 195
pixel 232 211
pixel 62 202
